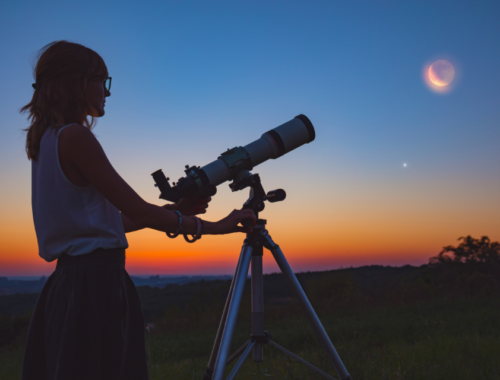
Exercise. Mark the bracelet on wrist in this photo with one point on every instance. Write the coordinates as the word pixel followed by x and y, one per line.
pixel 179 226
pixel 199 231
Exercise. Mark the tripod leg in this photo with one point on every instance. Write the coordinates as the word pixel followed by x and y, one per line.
pixel 232 315
pixel 237 353
pixel 299 359
pixel 257 301
pixel 306 305
pixel 239 363
pixel 215 350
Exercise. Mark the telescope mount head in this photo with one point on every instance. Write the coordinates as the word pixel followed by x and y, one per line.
pixel 257 194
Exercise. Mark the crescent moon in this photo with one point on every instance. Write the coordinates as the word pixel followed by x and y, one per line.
pixel 445 73
pixel 434 78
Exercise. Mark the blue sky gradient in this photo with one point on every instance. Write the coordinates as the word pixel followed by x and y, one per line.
pixel 193 78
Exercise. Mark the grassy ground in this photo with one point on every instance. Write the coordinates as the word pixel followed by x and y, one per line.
pixel 441 339
pixel 435 340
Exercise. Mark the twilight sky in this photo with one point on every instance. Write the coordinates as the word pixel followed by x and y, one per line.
pixel 193 78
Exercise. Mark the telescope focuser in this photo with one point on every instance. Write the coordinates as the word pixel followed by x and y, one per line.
pixel 188 186
pixel 276 195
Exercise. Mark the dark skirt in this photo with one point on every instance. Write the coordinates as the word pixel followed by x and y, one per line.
pixel 87 323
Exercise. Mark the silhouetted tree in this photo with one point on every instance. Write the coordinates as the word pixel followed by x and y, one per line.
pixel 469 251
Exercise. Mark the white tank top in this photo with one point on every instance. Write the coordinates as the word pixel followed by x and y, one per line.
pixel 68 218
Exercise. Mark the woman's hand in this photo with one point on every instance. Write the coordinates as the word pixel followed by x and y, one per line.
pixel 191 206
pixel 230 223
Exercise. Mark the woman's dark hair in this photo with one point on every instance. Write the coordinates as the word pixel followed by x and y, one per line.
pixel 62 72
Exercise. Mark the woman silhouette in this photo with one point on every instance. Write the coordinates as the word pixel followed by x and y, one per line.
pixel 87 323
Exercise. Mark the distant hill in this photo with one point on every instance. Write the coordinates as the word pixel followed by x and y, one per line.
pixel 157 293
pixel 14 286
pixel 8 286
pixel 162 281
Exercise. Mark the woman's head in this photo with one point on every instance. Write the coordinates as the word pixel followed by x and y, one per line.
pixel 68 89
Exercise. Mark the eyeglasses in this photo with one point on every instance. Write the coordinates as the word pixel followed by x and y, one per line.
pixel 106 82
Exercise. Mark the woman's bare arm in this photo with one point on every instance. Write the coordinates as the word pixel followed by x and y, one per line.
pixel 79 148
pixel 128 225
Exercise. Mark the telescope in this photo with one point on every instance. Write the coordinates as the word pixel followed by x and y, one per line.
pixel 235 165
pixel 231 165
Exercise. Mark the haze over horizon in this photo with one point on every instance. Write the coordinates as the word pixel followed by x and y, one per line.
pixel 397 171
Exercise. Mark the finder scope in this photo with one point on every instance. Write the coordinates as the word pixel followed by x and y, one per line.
pixel 203 181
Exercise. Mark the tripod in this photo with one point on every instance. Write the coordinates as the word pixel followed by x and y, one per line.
pixel 252 251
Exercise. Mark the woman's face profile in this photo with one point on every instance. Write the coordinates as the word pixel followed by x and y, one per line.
pixel 96 95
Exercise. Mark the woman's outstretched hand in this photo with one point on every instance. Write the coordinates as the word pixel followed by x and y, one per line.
pixel 230 223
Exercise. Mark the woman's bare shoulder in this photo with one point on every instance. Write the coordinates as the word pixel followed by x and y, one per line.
pixel 77 136
pixel 75 131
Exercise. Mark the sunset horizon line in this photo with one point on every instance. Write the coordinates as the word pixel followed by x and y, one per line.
pixel 224 274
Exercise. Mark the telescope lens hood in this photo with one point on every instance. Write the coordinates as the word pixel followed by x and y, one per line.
pixel 309 126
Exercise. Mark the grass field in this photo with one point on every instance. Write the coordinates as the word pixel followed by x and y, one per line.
pixel 441 339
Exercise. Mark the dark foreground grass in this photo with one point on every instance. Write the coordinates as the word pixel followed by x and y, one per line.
pixel 438 340
pixel 453 339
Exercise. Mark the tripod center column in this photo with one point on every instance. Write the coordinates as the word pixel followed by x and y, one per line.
pixel 257 300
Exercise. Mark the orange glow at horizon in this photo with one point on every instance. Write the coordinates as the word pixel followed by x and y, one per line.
pixel 375 236
pixel 343 226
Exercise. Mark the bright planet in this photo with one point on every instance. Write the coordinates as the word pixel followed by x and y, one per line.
pixel 441 73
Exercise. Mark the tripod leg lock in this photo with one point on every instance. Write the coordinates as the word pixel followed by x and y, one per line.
pixel 268 242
